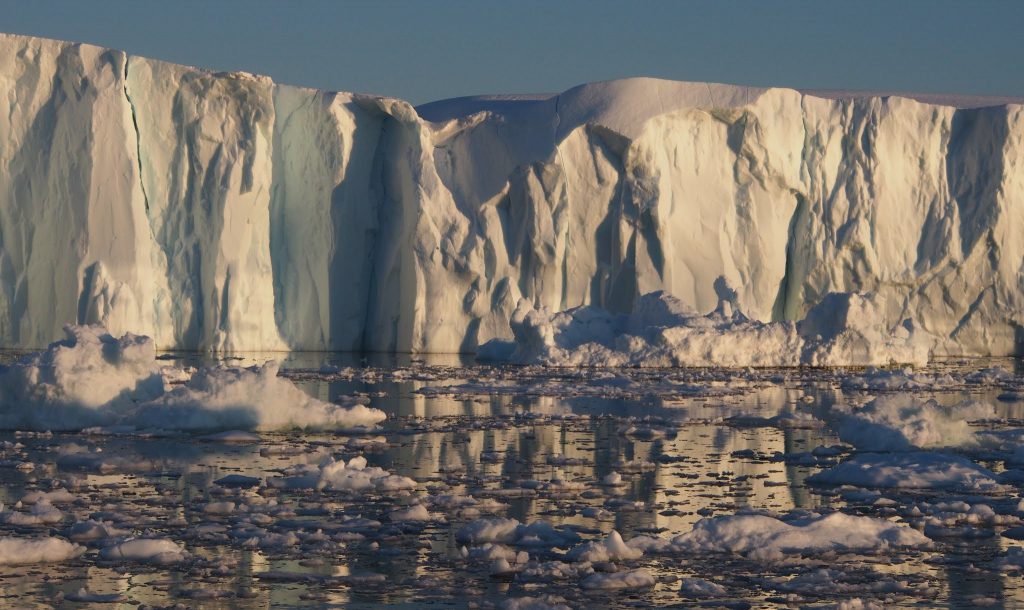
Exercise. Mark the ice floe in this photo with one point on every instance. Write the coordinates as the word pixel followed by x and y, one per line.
pixel 338 475
pixel 19 551
pixel 145 550
pixel 93 379
pixel 765 537
pixel 902 422
pixel 910 470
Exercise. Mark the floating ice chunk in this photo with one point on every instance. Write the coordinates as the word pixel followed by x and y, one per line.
pixel 84 596
pixel 855 603
pixel 42 513
pixel 628 579
pixel 93 380
pixel 837 582
pixel 354 475
pixel 494 529
pixel 904 423
pixel 844 329
pixel 611 548
pixel 416 512
pixel 81 381
pixel 357 476
pixel 895 380
pixel 612 479
pixel 145 550
pixel 768 538
pixel 19 551
pixel 913 470
pixel 698 588
pixel 547 602
pixel 511 531
pixel 220 508
pixel 254 398
pixel 57 496
pixel 237 480
pixel 231 436
pixel 91 530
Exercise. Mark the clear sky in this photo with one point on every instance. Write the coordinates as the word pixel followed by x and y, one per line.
pixel 423 50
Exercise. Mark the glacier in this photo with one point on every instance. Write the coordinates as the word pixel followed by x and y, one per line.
pixel 223 211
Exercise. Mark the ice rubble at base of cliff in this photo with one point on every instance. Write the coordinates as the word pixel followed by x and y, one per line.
pixel 843 330
pixel 92 379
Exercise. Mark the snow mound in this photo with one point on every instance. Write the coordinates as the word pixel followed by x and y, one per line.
pixel 913 470
pixel 19 551
pixel 844 329
pixel 92 379
pixel 903 423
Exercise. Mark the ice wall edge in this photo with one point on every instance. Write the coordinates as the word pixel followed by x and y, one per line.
pixel 226 212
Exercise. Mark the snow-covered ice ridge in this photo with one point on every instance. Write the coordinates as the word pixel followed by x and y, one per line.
pixel 224 211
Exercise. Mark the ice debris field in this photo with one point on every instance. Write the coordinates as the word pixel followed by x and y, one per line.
pixel 131 477
pixel 641 343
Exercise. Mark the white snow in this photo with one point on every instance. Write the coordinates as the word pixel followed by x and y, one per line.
pixel 223 211
pixel 19 551
pixel 94 379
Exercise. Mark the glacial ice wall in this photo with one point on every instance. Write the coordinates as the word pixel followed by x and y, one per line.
pixel 224 211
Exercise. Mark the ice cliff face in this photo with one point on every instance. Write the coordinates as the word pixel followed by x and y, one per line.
pixel 224 211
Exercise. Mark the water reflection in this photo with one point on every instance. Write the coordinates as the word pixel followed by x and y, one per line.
pixel 680 459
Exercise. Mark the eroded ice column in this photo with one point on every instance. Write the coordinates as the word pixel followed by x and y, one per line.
pixel 207 169
pixel 324 215
pixel 74 241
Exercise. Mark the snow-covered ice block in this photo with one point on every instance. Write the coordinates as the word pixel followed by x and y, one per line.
pixel 845 329
pixel 911 470
pixel 94 379
pixel 19 551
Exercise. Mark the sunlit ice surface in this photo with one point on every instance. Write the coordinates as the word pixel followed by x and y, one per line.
pixel 504 486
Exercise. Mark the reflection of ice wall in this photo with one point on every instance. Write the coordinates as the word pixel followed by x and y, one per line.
pixel 224 211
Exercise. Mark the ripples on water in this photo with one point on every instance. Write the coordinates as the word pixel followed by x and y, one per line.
pixel 681 457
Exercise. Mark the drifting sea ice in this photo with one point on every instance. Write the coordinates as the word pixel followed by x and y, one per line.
pixel 160 551
pixel 19 551
pixel 911 470
pixel 902 422
pixel 767 538
pixel 352 476
pixel 93 379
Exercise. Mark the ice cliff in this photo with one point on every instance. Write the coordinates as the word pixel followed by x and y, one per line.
pixel 224 211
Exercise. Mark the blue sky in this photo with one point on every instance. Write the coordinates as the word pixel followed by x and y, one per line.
pixel 422 50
